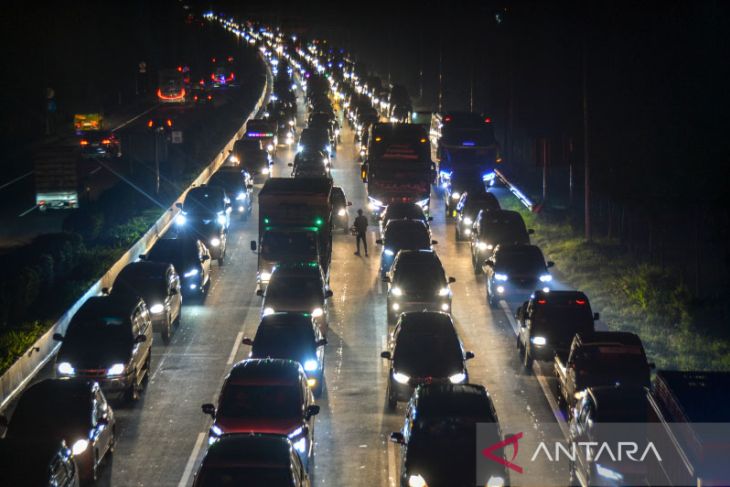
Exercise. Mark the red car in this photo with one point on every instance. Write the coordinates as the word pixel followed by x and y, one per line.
pixel 268 396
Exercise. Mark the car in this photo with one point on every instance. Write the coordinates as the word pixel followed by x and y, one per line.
pixel 340 217
pixel 74 411
pixel 403 211
pixel 191 260
pixel 38 463
pixel 100 144
pixel 424 348
pixel 467 209
pixel 627 405
pixel 205 214
pixel 311 157
pixel 492 228
pixel 109 340
pixel 159 285
pixel 402 235
pixel 416 282
pixel 202 96
pixel 439 437
pixel 292 336
pixel 264 131
pixel 328 122
pixel 456 185
pixel 312 139
pixel 251 155
pixel 238 185
pixel 548 321
pixel 515 272
pixel 252 459
pixel 269 396
pixel 298 287
pixel 311 170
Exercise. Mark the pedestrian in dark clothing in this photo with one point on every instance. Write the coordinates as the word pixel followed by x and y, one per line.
pixel 361 228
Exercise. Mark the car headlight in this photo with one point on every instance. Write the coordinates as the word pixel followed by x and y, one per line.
pixel 416 481
pixel 467 221
pixel 79 447
pixel 388 252
pixel 538 340
pixel 328 148
pixel 191 273
pixel 396 291
pixel 341 212
pixel 265 276
pixel 546 278
pixel 495 481
pixel 240 196
pixel 268 311
pixel 374 204
pixel 65 368
pixel 265 170
pixel 608 473
pixel 317 312
pixel 401 378
pixel 215 430
pixel 300 445
pixel 500 277
pixel 221 218
pixel 455 195
pixel 157 308
pixel 180 219
pixel 444 306
pixel 234 159
pixel 311 365
pixel 458 378
pixel 215 242
pixel 484 246
pixel 423 203
pixel 444 291
pixel 116 369
pixel 269 147
pixel 396 306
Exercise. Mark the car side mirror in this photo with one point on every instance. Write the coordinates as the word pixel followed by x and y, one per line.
pixel 349 203
pixel 322 342
pixel 452 280
pixel 434 242
pixel 208 409
pixel 205 258
pixel 290 165
pixel 173 292
pixel 386 279
pixel 489 263
pixel 249 186
pixel 58 337
pixel 4 421
pixel 260 292
pixel 140 339
pixel 253 246
pixel 397 437
pixel 379 241
pixel 550 264
pixel 385 355
pixel 247 341
pixel 328 294
pixel 531 231
pixel 178 205
pixel 312 410
pixel 469 355
pixel 142 257
pixel 430 219
pixel 596 316
pixel 105 290
pixel 102 421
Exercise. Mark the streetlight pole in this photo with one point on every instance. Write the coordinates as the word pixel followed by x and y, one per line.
pixel 586 152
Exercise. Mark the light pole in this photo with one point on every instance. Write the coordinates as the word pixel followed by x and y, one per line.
pixel 586 152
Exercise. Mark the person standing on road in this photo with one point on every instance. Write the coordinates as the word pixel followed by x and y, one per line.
pixel 361 228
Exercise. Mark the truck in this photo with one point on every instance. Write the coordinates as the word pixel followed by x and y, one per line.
pixel 171 86
pixel 464 141
pixel 601 358
pixel 398 167
pixel 295 224
pixel 55 170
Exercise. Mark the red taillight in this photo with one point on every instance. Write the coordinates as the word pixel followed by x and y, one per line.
pixel 169 122
pixel 210 97
pixel 447 118
pixel 106 141
pixel 150 124
pixel 423 141
pixel 84 142
pixel 195 98
pixel 541 301
pixel 580 301
pixel 212 59
pixel 179 69
pixel 230 59
pixel 487 120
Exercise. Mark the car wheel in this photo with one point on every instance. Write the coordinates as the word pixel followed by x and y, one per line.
pixel 527 359
pixel 457 234
pixel 477 268
pixel 112 442
pixel 132 393
pixel 392 401
pixel 167 331
pixel 147 367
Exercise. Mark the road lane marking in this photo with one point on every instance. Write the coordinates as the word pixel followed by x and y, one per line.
pixel 236 344
pixel 191 461
pixel 95 170
pixel 392 473
pixel 159 367
pixel 5 185
pixel 510 318
pixel 124 124
pixel 28 210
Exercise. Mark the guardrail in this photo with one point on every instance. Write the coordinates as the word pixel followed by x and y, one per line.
pixel 17 377
pixel 515 191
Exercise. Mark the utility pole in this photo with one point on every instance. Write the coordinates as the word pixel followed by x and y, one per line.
pixel 586 152
pixel 420 65
pixel 471 87
pixel 441 74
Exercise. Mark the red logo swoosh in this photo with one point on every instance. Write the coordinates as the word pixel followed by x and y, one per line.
pixel 513 440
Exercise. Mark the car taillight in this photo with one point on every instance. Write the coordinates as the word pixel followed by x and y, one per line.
pixel 106 141
pixel 84 142
pixel 150 124
pixel 487 120
pixel 169 122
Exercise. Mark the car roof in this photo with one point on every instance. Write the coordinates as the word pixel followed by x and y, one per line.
pixel 618 398
pixel 145 269
pixel 249 449
pixel 286 319
pixel 298 185
pixel 265 371
pixel 559 297
pixel 50 388
pixel 421 255
pixel 433 322
pixel 206 191
pixel 501 215
pixel 112 305
pixel 400 225
pixel 610 338
pixel 516 248
pixel 432 399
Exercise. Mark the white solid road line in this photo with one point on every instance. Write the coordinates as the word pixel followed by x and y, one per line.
pixel 5 185
pixel 392 471
pixel 236 345
pixel 124 124
pixel 508 313
pixel 191 461
pixel 28 210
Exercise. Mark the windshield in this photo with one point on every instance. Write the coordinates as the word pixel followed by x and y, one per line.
pixel 419 276
pixel 203 201
pixel 290 286
pixel 412 239
pixel 427 355
pixel 505 232
pixel 249 476
pixel 397 212
pixel 144 286
pixel 261 401
pixel 522 262
pixel 286 342
pixel 230 181
pixel 605 358
pixel 276 245
pixel 476 203
pixel 102 328
pixel 174 252
pixel 563 320
pixel 41 414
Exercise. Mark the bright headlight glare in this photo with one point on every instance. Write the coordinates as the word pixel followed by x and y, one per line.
pixel 546 278
pixel 191 273
pixel 608 473
pixel 500 277
pixel 65 368
pixel 268 311
pixel 397 291
pixel 310 365
pixel 269 147
pixel 388 252
pixel 180 219
pixel 265 171
pixel 116 369
pixel 341 212
pixel 215 241
pixel 300 445
pixel 495 481
pixel 215 430
pixel 234 159
pixel 79 447
pixel 482 246
pixel 317 312
pixel 241 196
pixel 458 378
pixel 401 378
pixel 538 340
pixel 396 306
pixel 416 481
pixel 444 291
pixel 265 276
pixel 157 308
pixel 455 195
pixel 468 221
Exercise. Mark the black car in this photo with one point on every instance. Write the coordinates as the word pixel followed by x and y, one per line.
pixel 252 459
pixel 515 272
pixel 492 228
pixel 292 336
pixel 300 288
pixel 38 463
pixel 100 144
pixel 424 348
pixel 340 215
pixel 190 258
pixel 251 155
pixel 159 285
pixel 71 410
pixel 403 211
pixel 238 185
pixel 458 184
pixel 202 96
pixel 311 170
pixel 205 214
pixel 311 157
pixel 467 209
pixel 417 282
pixel 402 235
pixel 315 140
pixel 108 340
pixel 439 437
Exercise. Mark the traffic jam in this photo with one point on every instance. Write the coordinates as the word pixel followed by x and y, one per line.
pixel 262 426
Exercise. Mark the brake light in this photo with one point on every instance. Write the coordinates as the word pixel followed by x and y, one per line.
pixel 580 301
pixel 487 120
pixel 541 301
pixel 230 59
pixel 423 141
pixel 447 118
pixel 84 142
pixel 179 69
pixel 106 141
pixel 195 98
pixel 210 97
pixel 150 124
pixel 169 122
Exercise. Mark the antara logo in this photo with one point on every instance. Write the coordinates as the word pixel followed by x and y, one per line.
pixel 594 451
pixel 513 440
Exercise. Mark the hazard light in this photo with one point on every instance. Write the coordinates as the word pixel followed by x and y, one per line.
pixel 487 120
